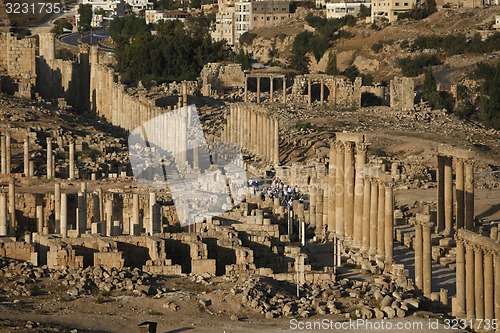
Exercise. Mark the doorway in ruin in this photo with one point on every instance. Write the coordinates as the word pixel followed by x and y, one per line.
pixel 370 99
pixel 316 92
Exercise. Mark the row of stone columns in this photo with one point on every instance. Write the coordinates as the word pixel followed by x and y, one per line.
pixel 345 186
pixel 464 198
pixel 423 253
pixel 252 128
pixel 477 278
pixel 378 216
pixel 104 220
pixel 28 165
pixel 271 86
pixel 356 202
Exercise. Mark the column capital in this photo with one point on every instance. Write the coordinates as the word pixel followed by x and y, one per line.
pixel 361 147
pixel 339 146
pixel 349 146
pixel 426 225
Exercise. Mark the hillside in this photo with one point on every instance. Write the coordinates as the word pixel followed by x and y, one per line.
pixel 274 44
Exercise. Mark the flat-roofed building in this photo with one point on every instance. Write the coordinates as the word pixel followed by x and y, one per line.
pixel 341 9
pixel 389 9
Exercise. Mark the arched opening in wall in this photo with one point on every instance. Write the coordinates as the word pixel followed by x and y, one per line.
pixel 316 92
pixel 370 99
pixel 308 180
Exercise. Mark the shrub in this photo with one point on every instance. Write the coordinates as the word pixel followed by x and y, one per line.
pixel 416 66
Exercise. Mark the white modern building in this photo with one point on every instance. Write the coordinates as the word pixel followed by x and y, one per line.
pixel 341 9
pixel 155 16
pixel 103 10
pixel 237 17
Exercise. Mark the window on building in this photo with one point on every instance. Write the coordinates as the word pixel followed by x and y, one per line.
pixel 396 4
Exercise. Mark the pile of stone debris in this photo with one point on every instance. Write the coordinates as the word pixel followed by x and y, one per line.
pixel 21 279
pixel 345 298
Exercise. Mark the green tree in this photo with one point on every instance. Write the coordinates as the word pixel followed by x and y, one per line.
pixel 85 12
pixel 429 86
pixel 352 72
pixel 364 11
pixel 58 29
pixel 331 65
pixel 299 61
pixel 243 59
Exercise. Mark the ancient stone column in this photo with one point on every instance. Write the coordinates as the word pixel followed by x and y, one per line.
pixel 339 190
pixel 8 156
pixel 331 186
pixel 12 206
pixel 319 211
pixel 39 216
pixel 427 258
pixel 135 223
pixel 381 220
pixel 3 160
pixel 469 281
pixel 152 202
pixel 312 206
pixel 258 89
pixel 49 158
pixel 440 190
pixel 57 207
pixel 284 89
pixel 366 215
pixel 489 303
pixel 460 279
pixel 276 142
pixel 496 260
pixel 246 89
pixel 26 158
pixel 3 215
pixel 64 215
pixel 322 91
pixel 419 249
pixel 184 94
pixel 460 206
pixel 349 189
pixel 71 160
pixel 373 217
pixel 358 195
pixel 81 222
pixel 479 282
pixel 448 196
pixel 389 225
pixel 309 92
pixel 106 229
pixel 271 99
pixel 469 195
